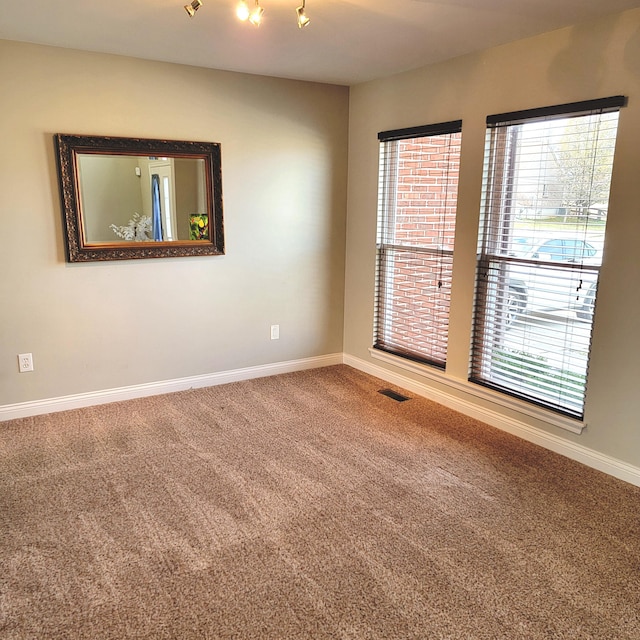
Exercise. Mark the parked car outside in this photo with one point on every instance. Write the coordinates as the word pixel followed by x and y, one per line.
pixel 554 284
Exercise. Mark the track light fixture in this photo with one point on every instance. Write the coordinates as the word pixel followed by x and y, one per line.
pixel 193 7
pixel 303 20
pixel 253 15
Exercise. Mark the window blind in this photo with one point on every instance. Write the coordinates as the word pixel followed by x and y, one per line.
pixel 418 182
pixel 545 197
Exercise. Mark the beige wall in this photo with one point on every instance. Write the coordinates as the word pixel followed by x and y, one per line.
pixel 111 192
pixel 589 61
pixel 104 325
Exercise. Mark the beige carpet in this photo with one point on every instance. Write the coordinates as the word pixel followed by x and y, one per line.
pixel 305 506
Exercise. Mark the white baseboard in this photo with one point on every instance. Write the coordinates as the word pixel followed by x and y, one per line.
pixel 589 457
pixel 77 401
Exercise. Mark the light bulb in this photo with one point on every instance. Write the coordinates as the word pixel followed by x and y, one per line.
pixel 242 11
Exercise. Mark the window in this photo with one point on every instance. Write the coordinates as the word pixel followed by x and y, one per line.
pixel 417 195
pixel 544 212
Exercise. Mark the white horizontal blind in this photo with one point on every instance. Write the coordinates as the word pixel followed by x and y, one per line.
pixel 544 211
pixel 418 184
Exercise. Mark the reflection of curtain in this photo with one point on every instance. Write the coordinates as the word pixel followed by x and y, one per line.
pixel 156 219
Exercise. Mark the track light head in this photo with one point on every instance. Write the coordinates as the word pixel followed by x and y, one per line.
pixel 303 20
pixel 193 7
pixel 256 15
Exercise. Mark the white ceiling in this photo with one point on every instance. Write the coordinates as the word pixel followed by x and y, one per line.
pixel 347 41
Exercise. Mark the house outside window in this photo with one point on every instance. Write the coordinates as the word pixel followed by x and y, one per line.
pixel 544 211
pixel 417 194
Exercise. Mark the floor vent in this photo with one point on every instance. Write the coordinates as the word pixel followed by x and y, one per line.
pixel 393 395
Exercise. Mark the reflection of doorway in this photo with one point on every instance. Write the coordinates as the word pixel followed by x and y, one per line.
pixel 163 168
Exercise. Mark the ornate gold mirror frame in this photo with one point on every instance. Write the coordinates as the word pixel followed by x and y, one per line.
pixel 129 198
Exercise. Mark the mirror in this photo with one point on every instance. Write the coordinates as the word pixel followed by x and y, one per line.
pixel 126 198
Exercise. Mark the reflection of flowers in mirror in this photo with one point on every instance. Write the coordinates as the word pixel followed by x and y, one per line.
pixel 138 229
pixel 198 226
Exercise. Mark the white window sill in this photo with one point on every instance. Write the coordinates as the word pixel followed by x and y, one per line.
pixel 524 408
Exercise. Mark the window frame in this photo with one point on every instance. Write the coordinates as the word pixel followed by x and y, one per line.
pixel 493 261
pixel 388 248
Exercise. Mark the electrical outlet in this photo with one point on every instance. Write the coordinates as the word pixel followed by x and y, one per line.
pixel 275 332
pixel 25 362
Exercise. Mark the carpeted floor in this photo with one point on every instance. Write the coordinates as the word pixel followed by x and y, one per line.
pixel 305 505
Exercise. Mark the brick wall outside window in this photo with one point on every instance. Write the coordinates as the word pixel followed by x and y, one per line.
pixel 415 312
pixel 427 190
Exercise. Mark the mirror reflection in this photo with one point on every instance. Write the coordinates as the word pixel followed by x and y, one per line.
pixel 142 198
pixel 125 198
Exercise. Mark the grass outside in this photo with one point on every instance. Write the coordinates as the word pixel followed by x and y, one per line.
pixel 535 373
pixel 564 224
